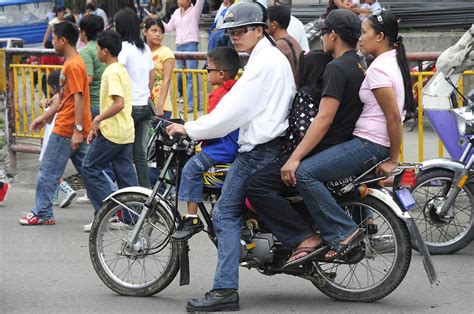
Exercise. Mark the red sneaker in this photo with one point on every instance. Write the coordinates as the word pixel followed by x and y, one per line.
pixel 32 220
pixel 3 192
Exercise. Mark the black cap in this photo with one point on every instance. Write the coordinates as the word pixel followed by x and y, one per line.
pixel 344 22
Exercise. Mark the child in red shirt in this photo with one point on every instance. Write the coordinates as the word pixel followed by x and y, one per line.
pixel 223 63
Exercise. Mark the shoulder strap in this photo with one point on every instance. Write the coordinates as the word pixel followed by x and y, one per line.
pixel 295 59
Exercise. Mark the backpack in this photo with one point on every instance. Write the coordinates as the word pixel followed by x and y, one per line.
pixel 305 104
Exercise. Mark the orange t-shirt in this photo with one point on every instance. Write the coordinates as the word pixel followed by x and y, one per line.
pixel 73 80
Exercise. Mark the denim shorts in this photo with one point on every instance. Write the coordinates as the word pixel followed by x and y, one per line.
pixel 191 184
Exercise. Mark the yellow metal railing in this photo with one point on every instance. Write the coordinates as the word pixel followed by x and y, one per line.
pixel 199 78
pixel 420 76
pixel 27 96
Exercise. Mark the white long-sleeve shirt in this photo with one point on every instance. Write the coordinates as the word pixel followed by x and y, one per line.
pixel 257 104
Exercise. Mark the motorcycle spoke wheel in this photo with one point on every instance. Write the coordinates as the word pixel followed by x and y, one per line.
pixel 374 268
pixel 144 268
pixel 442 236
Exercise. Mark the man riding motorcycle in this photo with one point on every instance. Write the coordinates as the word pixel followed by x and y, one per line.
pixel 258 105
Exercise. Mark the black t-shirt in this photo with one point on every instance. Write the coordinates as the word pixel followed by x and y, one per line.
pixel 342 80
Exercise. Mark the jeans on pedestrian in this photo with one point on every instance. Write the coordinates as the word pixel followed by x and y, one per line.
pixel 52 166
pixel 141 117
pixel 227 213
pixel 340 161
pixel 266 192
pixel 187 64
pixel 191 184
pixel 100 155
pixel 95 111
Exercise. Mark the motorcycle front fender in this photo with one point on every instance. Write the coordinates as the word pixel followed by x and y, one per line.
pixel 143 191
pixel 442 163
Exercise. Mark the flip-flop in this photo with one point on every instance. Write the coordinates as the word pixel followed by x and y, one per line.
pixel 341 250
pixel 312 252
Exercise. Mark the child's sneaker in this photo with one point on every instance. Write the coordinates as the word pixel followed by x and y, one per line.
pixel 33 220
pixel 69 194
pixel 190 226
pixel 3 192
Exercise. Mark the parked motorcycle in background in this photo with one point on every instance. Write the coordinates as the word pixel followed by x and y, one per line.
pixel 444 187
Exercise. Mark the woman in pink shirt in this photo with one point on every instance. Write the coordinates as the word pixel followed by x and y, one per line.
pixel 386 95
pixel 185 21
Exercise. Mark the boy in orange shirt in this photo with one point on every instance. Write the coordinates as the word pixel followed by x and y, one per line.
pixel 72 125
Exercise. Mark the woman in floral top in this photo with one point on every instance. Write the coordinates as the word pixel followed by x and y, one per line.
pixel 163 59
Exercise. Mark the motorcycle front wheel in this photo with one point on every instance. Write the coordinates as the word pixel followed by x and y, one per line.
pixel 377 266
pixel 146 267
pixel 442 236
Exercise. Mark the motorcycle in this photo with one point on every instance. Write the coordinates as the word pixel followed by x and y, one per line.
pixel 132 252
pixel 444 186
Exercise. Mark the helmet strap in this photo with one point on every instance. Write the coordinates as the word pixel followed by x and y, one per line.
pixel 269 37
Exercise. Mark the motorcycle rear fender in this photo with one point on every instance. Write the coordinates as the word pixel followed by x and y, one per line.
pixel 443 163
pixel 143 191
pixel 387 198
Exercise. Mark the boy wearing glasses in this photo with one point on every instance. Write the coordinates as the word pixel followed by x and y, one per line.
pixel 223 63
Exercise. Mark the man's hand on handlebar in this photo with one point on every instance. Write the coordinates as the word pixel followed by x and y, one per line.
pixel 176 128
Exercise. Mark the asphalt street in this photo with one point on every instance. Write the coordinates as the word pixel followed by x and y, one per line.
pixel 46 269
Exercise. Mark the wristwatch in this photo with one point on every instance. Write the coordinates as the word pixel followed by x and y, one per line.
pixel 78 128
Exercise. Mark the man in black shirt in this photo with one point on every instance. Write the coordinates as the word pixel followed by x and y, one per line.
pixel 334 123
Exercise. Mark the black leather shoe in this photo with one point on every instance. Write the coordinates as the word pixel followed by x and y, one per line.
pixel 190 227
pixel 222 300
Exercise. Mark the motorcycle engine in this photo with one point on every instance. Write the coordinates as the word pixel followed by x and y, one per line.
pixel 256 248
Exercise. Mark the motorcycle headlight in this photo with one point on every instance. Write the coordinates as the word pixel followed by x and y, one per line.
pixel 465 120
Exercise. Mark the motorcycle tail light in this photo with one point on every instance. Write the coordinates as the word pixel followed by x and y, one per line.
pixel 408 179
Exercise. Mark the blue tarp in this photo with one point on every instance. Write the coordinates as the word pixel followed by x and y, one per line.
pixel 16 2
pixel 31 33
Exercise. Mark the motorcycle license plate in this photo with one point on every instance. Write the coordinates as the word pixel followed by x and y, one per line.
pixel 406 199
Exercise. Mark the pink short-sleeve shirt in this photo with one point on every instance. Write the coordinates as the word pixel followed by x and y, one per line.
pixel 383 72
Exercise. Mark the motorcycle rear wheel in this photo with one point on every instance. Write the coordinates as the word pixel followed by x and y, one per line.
pixel 443 237
pixel 153 262
pixel 382 265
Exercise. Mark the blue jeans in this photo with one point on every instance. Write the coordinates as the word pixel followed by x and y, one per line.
pixel 227 213
pixel 141 117
pixel 191 185
pixel 350 158
pixel 52 168
pixel 187 64
pixel 100 155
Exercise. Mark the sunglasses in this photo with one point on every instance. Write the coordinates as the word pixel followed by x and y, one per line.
pixel 238 32
pixel 209 70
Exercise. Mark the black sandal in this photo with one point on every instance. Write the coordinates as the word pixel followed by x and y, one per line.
pixel 312 252
pixel 341 250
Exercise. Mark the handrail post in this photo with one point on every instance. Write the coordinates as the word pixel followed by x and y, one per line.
pixel 10 116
